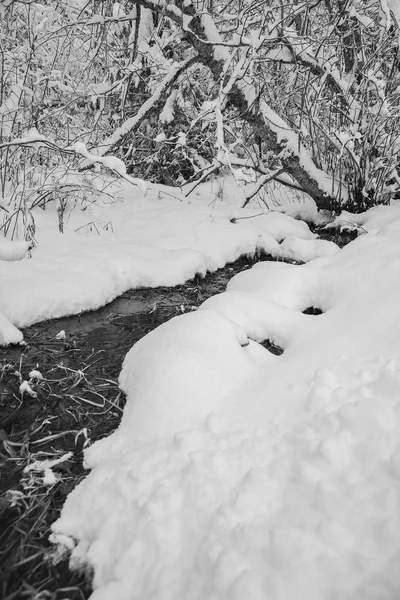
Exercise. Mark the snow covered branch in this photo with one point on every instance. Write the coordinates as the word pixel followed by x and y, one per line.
pixel 157 100
pixel 202 33
pixel 260 184
pixel 311 88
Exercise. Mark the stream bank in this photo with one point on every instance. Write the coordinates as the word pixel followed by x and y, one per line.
pixel 71 399
pixel 76 402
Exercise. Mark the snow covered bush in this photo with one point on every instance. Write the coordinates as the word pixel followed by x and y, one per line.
pixel 55 59
pixel 305 94
pixel 317 83
pixel 172 147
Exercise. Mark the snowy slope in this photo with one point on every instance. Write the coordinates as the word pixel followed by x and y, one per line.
pixel 238 474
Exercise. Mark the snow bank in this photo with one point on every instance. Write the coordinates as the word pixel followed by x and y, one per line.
pixel 373 220
pixel 237 474
pixel 155 366
pixel 112 246
pixel 297 249
pixel 8 333
pixel 13 250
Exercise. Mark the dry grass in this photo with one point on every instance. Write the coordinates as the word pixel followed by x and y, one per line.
pixel 75 405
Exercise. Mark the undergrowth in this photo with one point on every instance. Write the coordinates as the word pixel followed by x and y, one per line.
pixel 75 404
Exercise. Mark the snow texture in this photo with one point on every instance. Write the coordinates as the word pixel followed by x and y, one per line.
pixel 13 250
pixel 238 474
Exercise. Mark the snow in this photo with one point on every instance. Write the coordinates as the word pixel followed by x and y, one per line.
pixel 306 250
pixel 9 334
pixel 161 137
pixel 167 114
pixel 46 468
pixel 394 7
pixel 239 474
pixel 35 375
pixel 13 249
pixel 32 137
pixel 363 19
pixel 377 218
pixel 126 240
pixel 111 162
pixel 25 389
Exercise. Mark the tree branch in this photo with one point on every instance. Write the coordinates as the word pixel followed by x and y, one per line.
pixel 281 139
pixel 155 102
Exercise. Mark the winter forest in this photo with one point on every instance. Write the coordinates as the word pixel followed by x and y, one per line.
pixel 304 93
pixel 199 299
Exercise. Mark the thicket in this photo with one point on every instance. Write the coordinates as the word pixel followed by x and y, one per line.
pixel 303 93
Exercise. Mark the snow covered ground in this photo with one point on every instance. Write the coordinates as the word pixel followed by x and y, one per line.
pixel 126 240
pixel 239 474
pixel 236 473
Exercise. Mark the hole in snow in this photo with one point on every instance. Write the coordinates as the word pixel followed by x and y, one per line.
pixel 271 347
pixel 312 310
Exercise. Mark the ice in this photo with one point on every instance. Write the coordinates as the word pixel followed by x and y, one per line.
pixel 238 474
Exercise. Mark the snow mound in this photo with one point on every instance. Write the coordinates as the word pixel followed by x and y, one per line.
pixel 154 367
pixel 261 319
pixel 306 250
pixel 291 286
pixel 13 250
pixel 237 474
